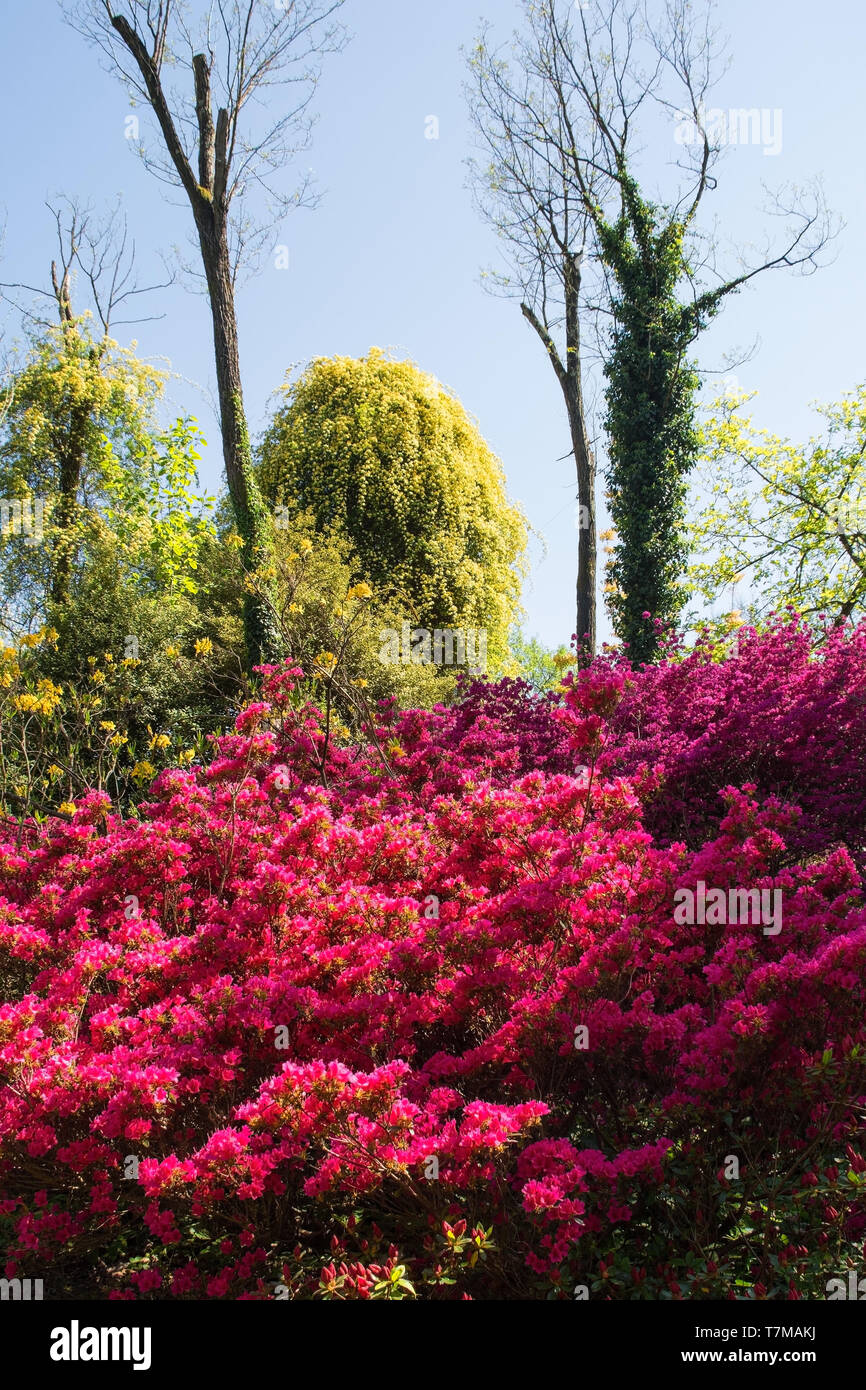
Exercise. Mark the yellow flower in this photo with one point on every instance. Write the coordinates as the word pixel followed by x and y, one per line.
pixel 107 725
pixel 325 663
pixel 305 547
pixel 360 591
pixel 130 661
pixel 26 703
pixel 361 684
pixel 54 771
pixel 172 651
pixel 394 749
pixel 98 678
pixel 203 646
pixel 235 540
pixel 47 699
pixel 118 740
pixel 31 639
pixel 45 702
pixel 66 808
pixel 295 608
pixel 144 769
pixel 107 657
pixel 159 741
pixel 186 757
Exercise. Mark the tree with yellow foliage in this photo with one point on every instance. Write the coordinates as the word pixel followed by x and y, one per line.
pixel 379 452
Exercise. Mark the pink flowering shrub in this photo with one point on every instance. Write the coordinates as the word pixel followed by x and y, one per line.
pixel 323 1024
pixel 778 712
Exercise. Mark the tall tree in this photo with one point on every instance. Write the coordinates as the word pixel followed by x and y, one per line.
pixel 587 79
pixel 524 191
pixel 87 467
pixel 204 95
pixel 76 386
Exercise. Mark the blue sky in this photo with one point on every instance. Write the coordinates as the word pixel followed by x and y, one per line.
pixel 392 256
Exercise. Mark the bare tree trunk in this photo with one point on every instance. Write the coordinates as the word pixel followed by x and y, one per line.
pixel 209 197
pixel 586 546
pixel 572 386
pixel 569 376
pixel 262 635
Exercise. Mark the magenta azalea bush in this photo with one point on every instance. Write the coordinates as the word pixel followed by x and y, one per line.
pixel 779 715
pixel 325 1023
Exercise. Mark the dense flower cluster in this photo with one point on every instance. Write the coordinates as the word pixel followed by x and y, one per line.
pixel 776 713
pixel 325 1023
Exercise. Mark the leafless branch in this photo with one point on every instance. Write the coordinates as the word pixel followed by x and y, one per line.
pixel 96 253
pixel 219 142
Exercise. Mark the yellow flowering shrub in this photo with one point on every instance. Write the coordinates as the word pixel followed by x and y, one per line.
pixel 56 747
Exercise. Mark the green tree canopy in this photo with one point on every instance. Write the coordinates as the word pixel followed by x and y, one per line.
pixel 378 450
pixel 106 542
pixel 789 518
pixel 84 461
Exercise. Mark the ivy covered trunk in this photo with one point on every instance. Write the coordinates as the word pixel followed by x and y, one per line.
pixel 653 440
pixel 652 449
pixel 71 459
pixel 71 447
